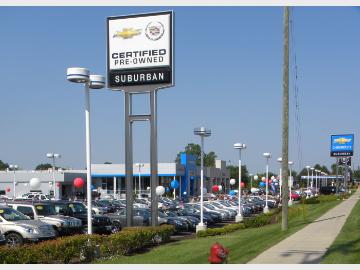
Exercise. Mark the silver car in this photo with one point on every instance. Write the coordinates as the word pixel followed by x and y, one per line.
pixel 45 212
pixel 18 228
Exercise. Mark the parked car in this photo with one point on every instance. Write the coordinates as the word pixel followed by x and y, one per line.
pixel 99 209
pixel 194 213
pixel 179 223
pixel 18 228
pixel 328 190
pixel 2 239
pixel 43 211
pixel 295 196
pixel 192 221
pixel 118 219
pixel 100 224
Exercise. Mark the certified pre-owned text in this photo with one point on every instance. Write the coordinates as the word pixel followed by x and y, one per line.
pixel 138 57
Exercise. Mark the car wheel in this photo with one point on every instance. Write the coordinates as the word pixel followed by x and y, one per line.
pixel 116 227
pixel 14 240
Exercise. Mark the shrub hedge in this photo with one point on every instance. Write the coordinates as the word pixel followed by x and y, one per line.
pixel 77 248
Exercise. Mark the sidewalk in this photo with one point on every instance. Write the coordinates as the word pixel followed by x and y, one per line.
pixel 310 243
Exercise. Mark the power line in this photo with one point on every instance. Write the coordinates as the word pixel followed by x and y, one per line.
pixel 296 92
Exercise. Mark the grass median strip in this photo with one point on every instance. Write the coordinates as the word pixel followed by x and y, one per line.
pixel 244 244
pixel 346 247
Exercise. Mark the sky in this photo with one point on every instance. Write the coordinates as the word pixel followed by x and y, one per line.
pixel 228 78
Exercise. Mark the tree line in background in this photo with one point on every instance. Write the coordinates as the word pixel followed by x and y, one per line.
pixel 209 161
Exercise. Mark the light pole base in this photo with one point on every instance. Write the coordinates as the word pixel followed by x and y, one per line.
pixel 201 227
pixel 266 209
pixel 290 202
pixel 239 218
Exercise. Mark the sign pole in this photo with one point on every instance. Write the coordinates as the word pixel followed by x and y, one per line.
pixel 128 161
pixel 153 157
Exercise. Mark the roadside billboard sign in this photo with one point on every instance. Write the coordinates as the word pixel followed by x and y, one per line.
pixel 342 145
pixel 140 50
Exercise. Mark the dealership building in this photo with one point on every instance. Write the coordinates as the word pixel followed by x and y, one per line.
pixel 107 177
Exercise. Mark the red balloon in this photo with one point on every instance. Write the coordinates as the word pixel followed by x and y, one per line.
pixel 58 184
pixel 242 184
pixel 215 188
pixel 264 180
pixel 8 190
pixel 79 182
pixel 270 181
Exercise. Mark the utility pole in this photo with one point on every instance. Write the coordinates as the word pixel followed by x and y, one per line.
pixel 285 124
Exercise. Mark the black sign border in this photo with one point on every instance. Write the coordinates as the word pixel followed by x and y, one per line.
pixel 171 83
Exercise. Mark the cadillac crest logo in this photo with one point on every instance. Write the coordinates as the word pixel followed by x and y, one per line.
pixel 154 30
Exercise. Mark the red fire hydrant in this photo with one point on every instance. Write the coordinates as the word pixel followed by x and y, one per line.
pixel 218 254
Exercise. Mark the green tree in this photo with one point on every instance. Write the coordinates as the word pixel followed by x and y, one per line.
pixel 234 173
pixel 195 150
pixel 43 167
pixel 3 166
pixel 107 162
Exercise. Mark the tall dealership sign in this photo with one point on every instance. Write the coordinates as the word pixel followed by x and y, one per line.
pixel 342 145
pixel 140 61
pixel 140 50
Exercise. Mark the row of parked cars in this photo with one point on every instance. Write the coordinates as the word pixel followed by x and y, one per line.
pixel 25 220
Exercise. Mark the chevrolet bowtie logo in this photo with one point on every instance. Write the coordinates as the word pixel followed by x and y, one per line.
pixel 342 140
pixel 127 33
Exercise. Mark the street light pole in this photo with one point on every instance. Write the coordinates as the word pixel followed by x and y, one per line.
pixel 312 179
pixel 53 156
pixel 290 183
pixel 308 180
pixel 267 156
pixel 280 175
pixel 14 168
pixel 251 179
pixel 239 146
pixel 139 165
pixel 82 75
pixel 202 132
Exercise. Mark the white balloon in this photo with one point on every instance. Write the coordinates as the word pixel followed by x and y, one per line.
pixel 232 181
pixel 35 183
pixel 160 190
pixel 220 187
pixel 148 188
pixel 263 178
pixel 256 177
pixel 272 177
pixel 184 193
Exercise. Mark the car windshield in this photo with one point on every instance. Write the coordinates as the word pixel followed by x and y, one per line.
pixel 107 203
pixel 45 210
pixel 10 214
pixel 172 214
pixel 217 205
pixel 77 208
pixel 226 204
pixel 209 206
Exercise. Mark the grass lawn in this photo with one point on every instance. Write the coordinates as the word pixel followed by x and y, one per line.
pixel 346 247
pixel 244 244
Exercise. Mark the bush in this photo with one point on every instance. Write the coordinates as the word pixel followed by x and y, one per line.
pixel 85 248
pixel 311 200
pixel 219 231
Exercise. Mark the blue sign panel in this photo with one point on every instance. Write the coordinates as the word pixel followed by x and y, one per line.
pixel 342 145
